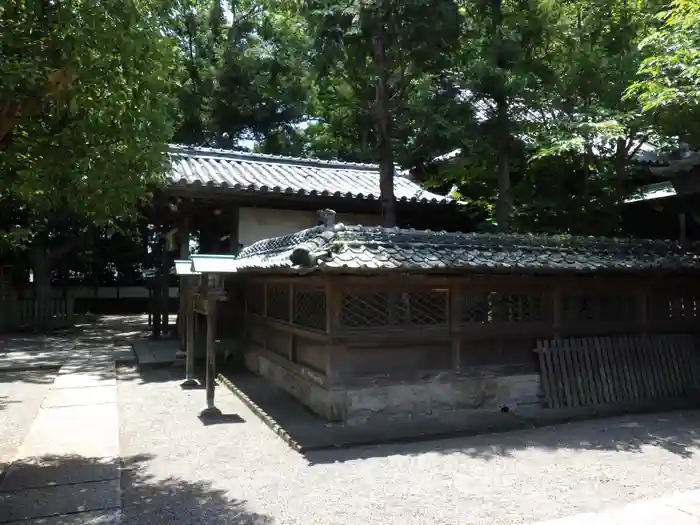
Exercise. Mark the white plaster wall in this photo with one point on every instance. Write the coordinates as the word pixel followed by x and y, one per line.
pixel 263 223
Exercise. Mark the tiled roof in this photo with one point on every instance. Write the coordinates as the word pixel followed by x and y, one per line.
pixel 342 248
pixel 257 173
pixel 658 190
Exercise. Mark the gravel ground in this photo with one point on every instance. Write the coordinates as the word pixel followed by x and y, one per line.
pixel 179 471
pixel 21 395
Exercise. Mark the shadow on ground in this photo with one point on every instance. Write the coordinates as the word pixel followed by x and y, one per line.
pixel 674 432
pixel 146 499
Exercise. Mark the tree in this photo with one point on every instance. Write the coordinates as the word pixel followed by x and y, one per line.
pixel 371 57
pixel 88 86
pixel 668 84
pixel 263 84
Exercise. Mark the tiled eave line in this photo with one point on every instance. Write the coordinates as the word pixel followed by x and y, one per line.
pixel 289 192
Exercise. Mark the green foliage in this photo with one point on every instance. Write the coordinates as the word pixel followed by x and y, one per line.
pixel 669 77
pixel 82 154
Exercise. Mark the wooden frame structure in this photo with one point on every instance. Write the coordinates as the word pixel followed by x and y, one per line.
pixel 361 323
pixel 359 333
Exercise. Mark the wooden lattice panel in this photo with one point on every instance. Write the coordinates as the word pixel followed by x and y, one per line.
pixel 674 306
pixel 310 307
pixel 255 299
pixel 582 308
pixel 493 307
pixel 278 306
pixel 366 310
pixel 416 308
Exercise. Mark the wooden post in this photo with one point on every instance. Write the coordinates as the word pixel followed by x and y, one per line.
pixel 682 226
pixel 233 230
pixel 165 285
pixel 156 301
pixel 211 305
pixel 455 316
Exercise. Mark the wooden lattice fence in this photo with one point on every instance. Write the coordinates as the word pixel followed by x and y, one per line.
pixel 590 371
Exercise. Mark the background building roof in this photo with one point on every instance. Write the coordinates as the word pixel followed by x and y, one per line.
pixel 244 172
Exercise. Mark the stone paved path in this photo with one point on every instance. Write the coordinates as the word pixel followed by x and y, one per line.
pixel 67 469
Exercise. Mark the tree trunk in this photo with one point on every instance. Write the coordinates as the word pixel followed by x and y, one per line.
pixel 504 205
pixel 382 119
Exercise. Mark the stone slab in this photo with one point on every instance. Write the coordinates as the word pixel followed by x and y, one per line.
pixel 63 499
pixel 100 517
pixel 86 431
pixel 155 352
pixel 86 376
pixel 650 513
pixel 48 471
pixel 94 395
pixel 688 502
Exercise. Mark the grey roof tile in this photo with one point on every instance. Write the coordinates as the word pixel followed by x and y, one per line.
pixel 359 248
pixel 258 173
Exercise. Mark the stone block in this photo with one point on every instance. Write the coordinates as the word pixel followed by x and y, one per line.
pixel 83 431
pixel 63 499
pixel 47 471
pixel 100 517
pixel 459 394
pixel 96 395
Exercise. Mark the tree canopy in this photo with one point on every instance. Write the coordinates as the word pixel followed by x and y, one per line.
pixel 542 107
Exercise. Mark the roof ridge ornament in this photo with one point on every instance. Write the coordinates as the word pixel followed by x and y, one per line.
pixel 327 218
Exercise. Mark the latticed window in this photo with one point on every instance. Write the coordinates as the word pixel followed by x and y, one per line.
pixel 255 299
pixel 421 308
pixel 495 307
pixel 617 308
pixel 310 307
pixel 599 308
pixel 362 311
pixel 674 307
pixel 476 308
pixel 278 301
pixel 579 308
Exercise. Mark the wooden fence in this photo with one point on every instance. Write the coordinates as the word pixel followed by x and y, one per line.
pixel 618 369
pixel 20 314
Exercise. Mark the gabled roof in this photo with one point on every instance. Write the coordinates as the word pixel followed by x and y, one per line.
pixel 340 248
pixel 242 172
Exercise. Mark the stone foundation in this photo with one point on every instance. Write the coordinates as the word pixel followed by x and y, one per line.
pixel 385 399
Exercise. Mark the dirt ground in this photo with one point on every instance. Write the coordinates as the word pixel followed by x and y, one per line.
pixel 182 471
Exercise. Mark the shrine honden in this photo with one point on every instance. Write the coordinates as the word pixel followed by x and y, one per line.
pixel 360 323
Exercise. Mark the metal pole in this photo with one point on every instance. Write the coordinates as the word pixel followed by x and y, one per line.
pixel 211 409
pixel 190 380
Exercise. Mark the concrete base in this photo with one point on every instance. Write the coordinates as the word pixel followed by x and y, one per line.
pixel 433 396
pixel 190 384
pixel 210 412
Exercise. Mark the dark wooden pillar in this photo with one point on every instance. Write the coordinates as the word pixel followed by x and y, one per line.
pixel 184 281
pixel 157 290
pixel 165 287
pixel 233 224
